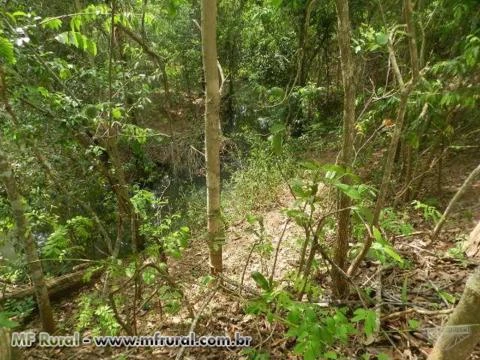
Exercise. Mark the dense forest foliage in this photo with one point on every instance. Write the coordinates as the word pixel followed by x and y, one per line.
pixel 301 172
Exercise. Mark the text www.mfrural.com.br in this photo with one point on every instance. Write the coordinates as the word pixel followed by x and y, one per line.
pixel 43 339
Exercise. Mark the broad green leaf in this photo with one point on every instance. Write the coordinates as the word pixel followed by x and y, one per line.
pixel 350 191
pixel 261 281
pixel 390 251
pixel 377 235
pixel 369 318
pixel 359 315
pixel 333 172
pixel 447 296
pixel 76 23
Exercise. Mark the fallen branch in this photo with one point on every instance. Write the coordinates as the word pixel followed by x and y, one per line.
pixel 418 311
pixel 59 286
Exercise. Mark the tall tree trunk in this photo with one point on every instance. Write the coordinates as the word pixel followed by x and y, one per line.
pixel 302 72
pixel 212 134
pixel 412 39
pixel 410 153
pixel 339 284
pixel 25 236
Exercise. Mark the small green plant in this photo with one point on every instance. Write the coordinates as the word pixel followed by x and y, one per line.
pixel 19 309
pixel 413 324
pixel 97 316
pixel 68 240
pixel 430 213
pixel 317 331
pixel 457 252
pixel 159 230
pixel 394 222
pixel 382 250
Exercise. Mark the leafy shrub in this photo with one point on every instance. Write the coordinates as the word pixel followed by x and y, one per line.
pixel 96 315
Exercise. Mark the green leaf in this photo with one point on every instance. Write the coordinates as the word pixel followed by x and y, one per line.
pixel 78 40
pixel 350 191
pixel 390 251
pixel 207 279
pixel 378 235
pixel 381 38
pixel 51 23
pixel 6 51
pixel 5 321
pixel 276 142
pixel 76 23
pixel 276 139
pixel 116 113
pixel 261 281
pixel 332 171
pixel 276 3
pixel 91 47
pixel 298 216
pixel 413 324
pixel 447 296
pixel 359 315
pixel 330 355
pixel 370 322
pixel 369 318
pixel 19 13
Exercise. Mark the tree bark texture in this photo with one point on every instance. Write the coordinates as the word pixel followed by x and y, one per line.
pixel 212 134
pixel 25 237
pixel 462 331
pixel 340 285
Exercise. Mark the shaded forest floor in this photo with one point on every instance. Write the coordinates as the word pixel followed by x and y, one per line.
pixel 435 280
